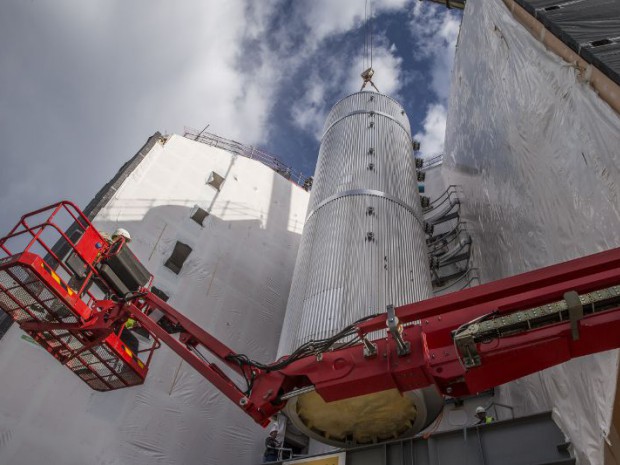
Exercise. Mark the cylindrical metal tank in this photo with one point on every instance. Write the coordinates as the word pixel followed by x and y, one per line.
pixel 363 247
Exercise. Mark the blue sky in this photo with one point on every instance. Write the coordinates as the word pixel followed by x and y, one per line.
pixel 84 84
pixel 414 46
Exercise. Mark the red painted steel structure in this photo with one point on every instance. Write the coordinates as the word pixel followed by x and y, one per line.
pixel 67 316
pixel 428 327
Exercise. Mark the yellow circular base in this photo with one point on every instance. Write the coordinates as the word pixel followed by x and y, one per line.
pixel 363 420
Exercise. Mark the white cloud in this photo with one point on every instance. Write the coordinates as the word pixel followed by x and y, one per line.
pixel 309 112
pixel 187 57
pixel 323 19
pixel 434 130
pixel 435 31
pixel 97 78
pixel 343 78
pixel 387 66
pixel 329 17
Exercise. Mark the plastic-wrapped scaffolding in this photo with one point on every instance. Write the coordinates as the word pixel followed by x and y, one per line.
pixel 363 247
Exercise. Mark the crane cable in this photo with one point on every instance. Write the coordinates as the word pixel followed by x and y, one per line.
pixel 368 72
pixel 370 32
pixel 368 36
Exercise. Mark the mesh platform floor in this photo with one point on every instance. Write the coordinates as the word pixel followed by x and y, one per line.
pixel 25 298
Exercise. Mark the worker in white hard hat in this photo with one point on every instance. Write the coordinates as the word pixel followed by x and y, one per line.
pixel 483 418
pixel 121 232
pixel 271 446
pixel 116 235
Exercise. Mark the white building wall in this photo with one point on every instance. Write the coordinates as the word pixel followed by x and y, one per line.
pixel 536 152
pixel 235 284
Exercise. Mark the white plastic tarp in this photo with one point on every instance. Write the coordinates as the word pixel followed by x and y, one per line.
pixel 537 154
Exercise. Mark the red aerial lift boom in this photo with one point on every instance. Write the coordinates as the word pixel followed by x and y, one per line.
pixel 74 291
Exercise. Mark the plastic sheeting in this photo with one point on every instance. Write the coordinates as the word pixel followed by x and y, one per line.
pixel 235 284
pixel 537 154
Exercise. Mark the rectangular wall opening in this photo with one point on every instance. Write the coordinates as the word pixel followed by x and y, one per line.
pixel 199 215
pixel 215 180
pixel 179 255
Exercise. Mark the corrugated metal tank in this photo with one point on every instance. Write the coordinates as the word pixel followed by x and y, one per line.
pixel 363 247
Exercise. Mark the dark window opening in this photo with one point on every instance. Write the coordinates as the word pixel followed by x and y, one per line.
pixel 598 43
pixel 199 215
pixel 215 180
pixel 179 255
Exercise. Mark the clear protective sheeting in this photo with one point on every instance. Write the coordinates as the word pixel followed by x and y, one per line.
pixel 538 156
pixel 234 283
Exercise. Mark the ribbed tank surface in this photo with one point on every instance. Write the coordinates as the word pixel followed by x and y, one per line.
pixel 363 243
pixel 363 248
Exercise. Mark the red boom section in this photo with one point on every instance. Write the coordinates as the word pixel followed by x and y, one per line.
pixel 510 357
pixel 534 325
pixel 66 298
pixel 190 342
pixel 429 328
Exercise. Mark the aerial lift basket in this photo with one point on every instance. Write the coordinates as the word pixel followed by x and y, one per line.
pixel 50 283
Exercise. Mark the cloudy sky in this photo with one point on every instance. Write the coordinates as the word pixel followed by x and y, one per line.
pixel 83 84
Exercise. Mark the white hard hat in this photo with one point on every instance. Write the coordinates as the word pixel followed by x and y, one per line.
pixel 480 410
pixel 122 232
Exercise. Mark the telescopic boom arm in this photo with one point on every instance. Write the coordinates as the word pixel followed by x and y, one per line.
pixel 463 343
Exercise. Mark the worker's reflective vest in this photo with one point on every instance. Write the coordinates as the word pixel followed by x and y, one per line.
pixel 485 421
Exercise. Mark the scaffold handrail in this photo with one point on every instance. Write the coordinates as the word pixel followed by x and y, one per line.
pixel 248 151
